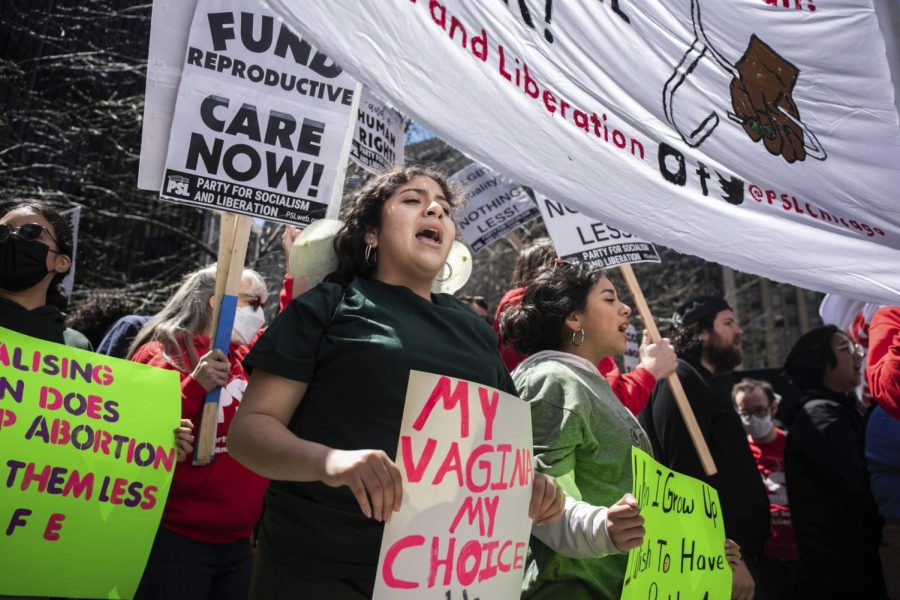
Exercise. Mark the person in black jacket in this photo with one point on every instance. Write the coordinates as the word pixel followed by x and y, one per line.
pixel 835 519
pixel 707 340
pixel 35 255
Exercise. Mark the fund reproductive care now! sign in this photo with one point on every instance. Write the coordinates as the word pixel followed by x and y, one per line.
pixel 463 528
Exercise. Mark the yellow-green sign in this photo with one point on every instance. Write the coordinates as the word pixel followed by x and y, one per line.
pixel 87 457
pixel 683 554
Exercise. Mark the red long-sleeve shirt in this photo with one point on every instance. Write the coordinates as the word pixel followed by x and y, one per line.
pixel 883 370
pixel 219 502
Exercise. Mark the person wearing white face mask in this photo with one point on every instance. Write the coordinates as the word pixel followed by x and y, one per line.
pixel 756 403
pixel 249 317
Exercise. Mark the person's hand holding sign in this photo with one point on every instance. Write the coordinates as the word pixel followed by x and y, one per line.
pixel 625 524
pixel 184 439
pixel 211 370
pixel 373 478
pixel 658 358
pixel 762 102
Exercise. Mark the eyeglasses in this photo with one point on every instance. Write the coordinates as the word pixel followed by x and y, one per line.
pixel 762 411
pixel 853 349
pixel 28 232
pixel 252 300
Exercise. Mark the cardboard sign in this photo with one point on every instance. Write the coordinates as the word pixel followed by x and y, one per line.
pixel 632 357
pixel 760 134
pixel 261 118
pixel 378 141
pixel 579 238
pixel 495 206
pixel 463 528
pixel 88 456
pixel 683 554
pixel 73 218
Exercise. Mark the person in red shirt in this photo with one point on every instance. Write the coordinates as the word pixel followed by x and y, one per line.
pixel 202 548
pixel 756 403
pixel 883 365
pixel 657 361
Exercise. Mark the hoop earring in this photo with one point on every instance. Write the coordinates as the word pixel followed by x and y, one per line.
pixel 449 275
pixel 370 255
pixel 581 339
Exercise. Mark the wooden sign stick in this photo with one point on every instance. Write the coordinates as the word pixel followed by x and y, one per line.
pixel 234 235
pixel 684 407
pixel 515 240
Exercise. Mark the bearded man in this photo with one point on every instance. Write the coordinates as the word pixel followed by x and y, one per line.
pixel 707 340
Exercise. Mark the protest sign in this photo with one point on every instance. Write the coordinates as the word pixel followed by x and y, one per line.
pixel 378 139
pixel 683 553
pixel 579 238
pixel 632 357
pixel 170 25
pixel 496 206
pixel 261 120
pixel 73 218
pixel 88 456
pixel 742 132
pixel 462 530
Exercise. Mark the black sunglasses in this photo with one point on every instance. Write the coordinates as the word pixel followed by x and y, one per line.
pixel 28 232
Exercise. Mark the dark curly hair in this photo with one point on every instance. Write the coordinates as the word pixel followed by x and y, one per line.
pixel 686 339
pixel 94 315
pixel 534 258
pixel 362 212
pixel 537 323
pixel 811 358
pixel 62 233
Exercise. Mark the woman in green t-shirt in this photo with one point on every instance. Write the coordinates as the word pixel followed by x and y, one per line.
pixel 569 319
pixel 322 412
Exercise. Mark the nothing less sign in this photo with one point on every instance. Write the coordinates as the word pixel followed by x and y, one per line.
pixel 579 238
pixel 496 206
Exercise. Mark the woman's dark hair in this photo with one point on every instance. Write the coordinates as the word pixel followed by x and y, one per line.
pixel 538 322
pixel 811 358
pixel 362 212
pixel 533 259
pixel 62 233
pixel 686 338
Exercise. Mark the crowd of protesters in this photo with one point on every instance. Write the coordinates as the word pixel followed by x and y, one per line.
pixel 305 476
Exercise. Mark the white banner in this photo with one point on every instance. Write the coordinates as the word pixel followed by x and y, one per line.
pixel 496 206
pixel 463 528
pixel 761 137
pixel 73 218
pixel 579 238
pixel 261 118
pixel 378 139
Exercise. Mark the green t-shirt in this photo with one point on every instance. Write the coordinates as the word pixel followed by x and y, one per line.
pixel 583 437
pixel 355 347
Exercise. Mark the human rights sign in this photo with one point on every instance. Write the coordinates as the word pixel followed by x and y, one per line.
pixel 683 554
pixel 378 139
pixel 760 135
pixel 463 528
pixel 260 120
pixel 88 455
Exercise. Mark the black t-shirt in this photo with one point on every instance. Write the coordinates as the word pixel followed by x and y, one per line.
pixel 745 504
pixel 355 347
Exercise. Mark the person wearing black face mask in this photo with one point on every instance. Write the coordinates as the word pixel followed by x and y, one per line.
pixel 35 255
